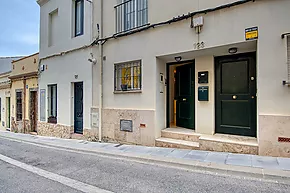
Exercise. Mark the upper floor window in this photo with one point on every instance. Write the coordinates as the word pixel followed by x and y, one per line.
pixel 53 27
pixel 131 14
pixel 79 17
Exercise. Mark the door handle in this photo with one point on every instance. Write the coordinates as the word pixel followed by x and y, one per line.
pixel 235 97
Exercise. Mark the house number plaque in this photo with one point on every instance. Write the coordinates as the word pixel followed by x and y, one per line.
pixel 126 125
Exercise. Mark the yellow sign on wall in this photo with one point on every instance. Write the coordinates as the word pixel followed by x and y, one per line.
pixel 251 33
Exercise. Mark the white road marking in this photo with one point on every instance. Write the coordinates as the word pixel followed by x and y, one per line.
pixel 55 177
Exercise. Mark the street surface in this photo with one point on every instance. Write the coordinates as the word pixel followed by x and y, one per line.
pixel 34 168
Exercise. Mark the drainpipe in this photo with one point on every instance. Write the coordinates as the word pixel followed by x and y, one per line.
pixel 101 74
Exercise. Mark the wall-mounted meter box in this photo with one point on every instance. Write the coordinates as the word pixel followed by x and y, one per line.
pixel 203 77
pixel 203 93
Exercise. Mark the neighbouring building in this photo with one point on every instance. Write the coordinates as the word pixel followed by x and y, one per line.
pixel 5 84
pixel 198 74
pixel 65 79
pixel 24 94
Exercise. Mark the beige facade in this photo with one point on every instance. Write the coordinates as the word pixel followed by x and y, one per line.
pixel 222 29
pixel 24 89
pixel 151 45
pixel 5 85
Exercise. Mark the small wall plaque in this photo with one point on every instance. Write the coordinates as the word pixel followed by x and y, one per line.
pixel 126 125
pixel 95 120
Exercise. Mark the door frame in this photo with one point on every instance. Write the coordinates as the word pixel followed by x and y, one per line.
pixel 168 90
pixel 74 109
pixel 8 112
pixel 250 55
pixel 35 93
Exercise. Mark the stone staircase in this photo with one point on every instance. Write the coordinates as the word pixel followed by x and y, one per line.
pixel 188 139
pixel 178 138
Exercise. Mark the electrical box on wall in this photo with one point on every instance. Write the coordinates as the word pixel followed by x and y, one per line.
pixel 203 93
pixel 203 77
pixel 197 22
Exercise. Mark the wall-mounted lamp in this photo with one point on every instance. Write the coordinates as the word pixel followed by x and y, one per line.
pixel 178 58
pixel 233 50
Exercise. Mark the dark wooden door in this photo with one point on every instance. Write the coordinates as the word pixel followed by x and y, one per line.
pixel 236 95
pixel 185 107
pixel 33 111
pixel 78 107
pixel 8 112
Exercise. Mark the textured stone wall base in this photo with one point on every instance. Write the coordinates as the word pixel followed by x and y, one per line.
pixel 54 130
pixel 91 134
pixel 271 127
pixel 17 126
pixel 143 126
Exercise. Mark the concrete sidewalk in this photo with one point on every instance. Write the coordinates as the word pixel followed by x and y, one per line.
pixel 277 169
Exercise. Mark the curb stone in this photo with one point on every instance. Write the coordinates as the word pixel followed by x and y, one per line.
pixel 203 167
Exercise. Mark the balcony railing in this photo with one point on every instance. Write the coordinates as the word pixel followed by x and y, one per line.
pixel 131 14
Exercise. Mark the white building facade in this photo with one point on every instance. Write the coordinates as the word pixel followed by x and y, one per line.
pixel 65 74
pixel 201 74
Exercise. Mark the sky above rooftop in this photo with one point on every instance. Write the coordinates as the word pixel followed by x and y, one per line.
pixel 19 27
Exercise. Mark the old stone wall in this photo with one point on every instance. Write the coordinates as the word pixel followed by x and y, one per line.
pixel 143 126
pixel 54 130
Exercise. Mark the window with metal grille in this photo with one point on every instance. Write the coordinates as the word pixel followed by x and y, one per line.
pixel 0 109
pixel 288 56
pixel 52 103
pixel 128 76
pixel 18 105
pixel 131 14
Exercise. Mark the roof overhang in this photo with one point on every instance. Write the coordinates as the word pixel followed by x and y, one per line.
pixel 41 2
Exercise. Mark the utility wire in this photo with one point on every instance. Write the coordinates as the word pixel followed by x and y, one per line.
pixel 175 19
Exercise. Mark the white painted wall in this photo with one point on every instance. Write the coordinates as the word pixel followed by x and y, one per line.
pixel 3 94
pixel 62 71
pixel 64 27
pixel 205 110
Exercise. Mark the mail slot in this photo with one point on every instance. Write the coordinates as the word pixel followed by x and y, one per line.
pixel 203 93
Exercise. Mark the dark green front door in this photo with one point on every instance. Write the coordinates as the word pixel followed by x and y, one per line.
pixel 78 107
pixel 185 96
pixel 236 95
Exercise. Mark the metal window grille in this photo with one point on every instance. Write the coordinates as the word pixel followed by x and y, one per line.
pixel 131 14
pixel 0 109
pixel 128 76
pixel 288 56
pixel 18 105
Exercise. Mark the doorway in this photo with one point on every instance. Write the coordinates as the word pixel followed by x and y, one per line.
pixel 236 94
pixel 181 95
pixel 8 112
pixel 33 111
pixel 78 107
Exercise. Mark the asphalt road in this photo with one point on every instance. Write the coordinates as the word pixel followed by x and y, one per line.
pixel 109 174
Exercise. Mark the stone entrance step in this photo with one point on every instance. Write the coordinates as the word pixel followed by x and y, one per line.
pixel 180 134
pixel 77 136
pixel 176 143
pixel 229 143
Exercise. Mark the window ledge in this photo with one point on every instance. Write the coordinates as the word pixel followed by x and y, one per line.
pixel 128 92
pixel 132 29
